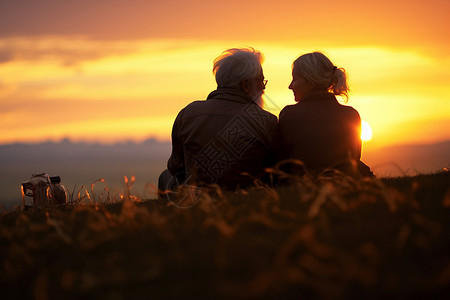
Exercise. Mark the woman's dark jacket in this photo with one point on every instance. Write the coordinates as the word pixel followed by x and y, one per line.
pixel 320 132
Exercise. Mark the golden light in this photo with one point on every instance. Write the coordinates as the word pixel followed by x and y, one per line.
pixel 127 87
pixel 366 131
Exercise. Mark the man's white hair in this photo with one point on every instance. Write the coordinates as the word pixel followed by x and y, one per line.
pixel 237 64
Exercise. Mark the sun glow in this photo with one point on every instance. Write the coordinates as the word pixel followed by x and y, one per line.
pixel 80 89
pixel 366 131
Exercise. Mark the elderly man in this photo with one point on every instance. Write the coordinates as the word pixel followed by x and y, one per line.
pixel 227 138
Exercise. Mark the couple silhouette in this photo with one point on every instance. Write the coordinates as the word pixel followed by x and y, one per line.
pixel 230 140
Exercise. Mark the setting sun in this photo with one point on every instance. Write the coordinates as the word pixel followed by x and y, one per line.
pixel 366 131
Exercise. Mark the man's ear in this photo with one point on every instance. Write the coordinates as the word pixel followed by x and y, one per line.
pixel 244 85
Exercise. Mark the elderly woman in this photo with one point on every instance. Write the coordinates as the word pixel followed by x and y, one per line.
pixel 318 130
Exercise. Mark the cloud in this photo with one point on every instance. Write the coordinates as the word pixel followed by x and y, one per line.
pixel 5 56
pixel 68 51
pixel 353 22
pixel 57 81
pixel 101 19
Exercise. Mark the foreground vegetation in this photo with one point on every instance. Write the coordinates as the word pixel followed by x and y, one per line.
pixel 315 238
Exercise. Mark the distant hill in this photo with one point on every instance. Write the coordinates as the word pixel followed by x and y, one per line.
pixel 82 163
pixel 401 160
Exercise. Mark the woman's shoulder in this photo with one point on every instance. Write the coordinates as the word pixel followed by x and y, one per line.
pixel 288 108
pixel 350 111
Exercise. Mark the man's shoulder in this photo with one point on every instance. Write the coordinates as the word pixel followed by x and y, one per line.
pixel 227 108
pixel 195 103
pixel 194 106
pixel 268 114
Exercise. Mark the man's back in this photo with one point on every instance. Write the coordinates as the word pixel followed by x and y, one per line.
pixel 216 140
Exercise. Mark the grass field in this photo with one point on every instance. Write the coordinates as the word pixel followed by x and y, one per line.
pixel 315 238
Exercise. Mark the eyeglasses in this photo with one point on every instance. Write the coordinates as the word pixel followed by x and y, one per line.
pixel 263 81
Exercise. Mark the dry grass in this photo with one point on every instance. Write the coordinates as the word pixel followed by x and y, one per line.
pixel 315 238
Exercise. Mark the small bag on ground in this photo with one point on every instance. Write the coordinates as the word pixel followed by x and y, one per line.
pixel 44 189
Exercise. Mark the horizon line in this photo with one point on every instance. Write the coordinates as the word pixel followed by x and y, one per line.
pixel 67 140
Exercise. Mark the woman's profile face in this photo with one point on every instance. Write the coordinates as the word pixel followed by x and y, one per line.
pixel 300 86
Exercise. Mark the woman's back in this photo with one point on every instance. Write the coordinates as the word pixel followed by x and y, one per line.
pixel 320 132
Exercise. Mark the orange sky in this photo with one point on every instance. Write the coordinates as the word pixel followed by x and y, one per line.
pixel 114 70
